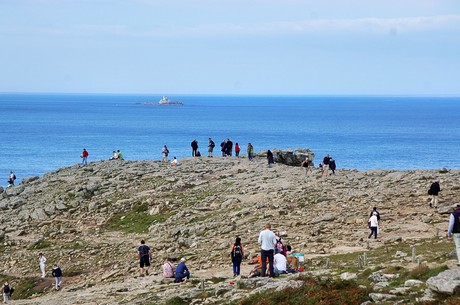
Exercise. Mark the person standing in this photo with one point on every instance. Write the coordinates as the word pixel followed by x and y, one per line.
pixel 181 272
pixel 194 145
pixel 42 263
pixel 11 178
pixel 454 230
pixel 267 241
pixel 332 165
pixel 84 157
pixel 57 274
pixel 211 146
pixel 229 148
pixel 237 149
pixel 434 190
pixel 250 151
pixel 270 158
pixel 6 292
pixel 143 252
pixel 326 161
pixel 373 225
pixel 237 256
pixel 165 153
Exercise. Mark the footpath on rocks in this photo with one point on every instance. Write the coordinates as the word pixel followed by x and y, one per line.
pixel 90 220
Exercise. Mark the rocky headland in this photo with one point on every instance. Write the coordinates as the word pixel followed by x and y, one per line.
pixel 90 219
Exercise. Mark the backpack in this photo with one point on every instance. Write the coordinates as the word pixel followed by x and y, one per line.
pixel 212 144
pixel 145 252
pixel 6 289
pixel 14 177
pixel 237 251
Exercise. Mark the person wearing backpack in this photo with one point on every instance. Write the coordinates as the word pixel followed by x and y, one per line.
pixel 237 256
pixel 143 252
pixel 57 274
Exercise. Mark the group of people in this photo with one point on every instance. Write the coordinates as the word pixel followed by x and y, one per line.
pixel 180 273
pixel 116 155
pixel 226 147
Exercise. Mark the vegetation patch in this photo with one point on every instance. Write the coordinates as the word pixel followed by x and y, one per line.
pixel 313 291
pixel 176 301
pixel 40 244
pixel 136 220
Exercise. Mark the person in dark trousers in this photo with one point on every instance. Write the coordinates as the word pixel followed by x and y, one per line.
pixel 270 158
pixel 454 230
pixel 228 148
pixel 237 256
pixel 11 178
pixel 267 241
pixel 194 145
pixel 6 292
pixel 211 146
pixel 332 165
pixel 434 190
pixel 143 252
pixel 373 225
pixel 182 274
pixel 57 274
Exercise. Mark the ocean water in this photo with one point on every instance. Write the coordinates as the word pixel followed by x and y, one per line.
pixel 43 132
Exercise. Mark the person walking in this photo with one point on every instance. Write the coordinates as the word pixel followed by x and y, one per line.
pixel 434 190
pixel 57 274
pixel 84 157
pixel 270 158
pixel 143 252
pixel 250 151
pixel 6 292
pixel 42 263
pixel 454 230
pixel 165 153
pixel 11 178
pixel 211 146
pixel 373 225
pixel 237 255
pixel 237 149
pixel 306 165
pixel 267 241
pixel 194 145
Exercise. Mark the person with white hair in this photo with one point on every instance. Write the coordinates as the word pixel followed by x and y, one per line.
pixel 373 225
pixel 182 274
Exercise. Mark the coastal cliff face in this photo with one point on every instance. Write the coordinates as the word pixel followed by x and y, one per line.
pixel 90 220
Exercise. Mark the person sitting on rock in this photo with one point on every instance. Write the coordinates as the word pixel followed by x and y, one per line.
pixel 168 269
pixel 174 162
pixel 114 155
pixel 279 263
pixel 182 274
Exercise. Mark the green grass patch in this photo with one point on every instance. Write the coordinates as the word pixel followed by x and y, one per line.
pixel 40 244
pixel 312 292
pixel 26 288
pixel 136 220
pixel 423 273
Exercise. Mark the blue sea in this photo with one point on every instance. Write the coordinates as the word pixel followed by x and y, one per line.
pixel 43 132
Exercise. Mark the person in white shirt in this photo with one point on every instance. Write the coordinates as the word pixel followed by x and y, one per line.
pixel 279 262
pixel 174 162
pixel 42 261
pixel 373 225
pixel 267 241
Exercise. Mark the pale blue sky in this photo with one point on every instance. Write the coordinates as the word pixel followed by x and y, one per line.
pixel 394 47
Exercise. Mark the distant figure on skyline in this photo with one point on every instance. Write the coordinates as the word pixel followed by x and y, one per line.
pixel 120 155
pixel 250 151
pixel 332 165
pixel 326 161
pixel 237 149
pixel 434 190
pixel 84 157
pixel 194 146
pixel 165 153
pixel 306 165
pixel 11 178
pixel 174 162
pixel 211 146
pixel 114 156
pixel 270 158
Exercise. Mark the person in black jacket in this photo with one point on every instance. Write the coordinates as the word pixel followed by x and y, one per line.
pixel 57 274
pixel 6 292
pixel 326 161
pixel 434 190
pixel 194 147
pixel 270 158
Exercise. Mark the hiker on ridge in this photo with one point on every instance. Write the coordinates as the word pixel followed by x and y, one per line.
pixel 143 252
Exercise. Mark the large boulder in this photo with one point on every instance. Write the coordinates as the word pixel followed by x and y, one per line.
pixel 289 157
pixel 446 282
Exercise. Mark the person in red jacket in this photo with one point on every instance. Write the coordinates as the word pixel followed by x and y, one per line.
pixel 84 157
pixel 237 150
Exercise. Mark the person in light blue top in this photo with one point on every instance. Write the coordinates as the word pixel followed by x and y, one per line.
pixel 267 241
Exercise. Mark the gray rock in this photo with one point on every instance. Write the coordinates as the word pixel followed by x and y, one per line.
pixel 30 179
pixel 379 297
pixel 446 207
pixel 1 189
pixel 323 218
pixel 446 282
pixel 412 283
pixel 347 276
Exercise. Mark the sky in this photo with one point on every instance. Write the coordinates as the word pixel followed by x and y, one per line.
pixel 282 47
